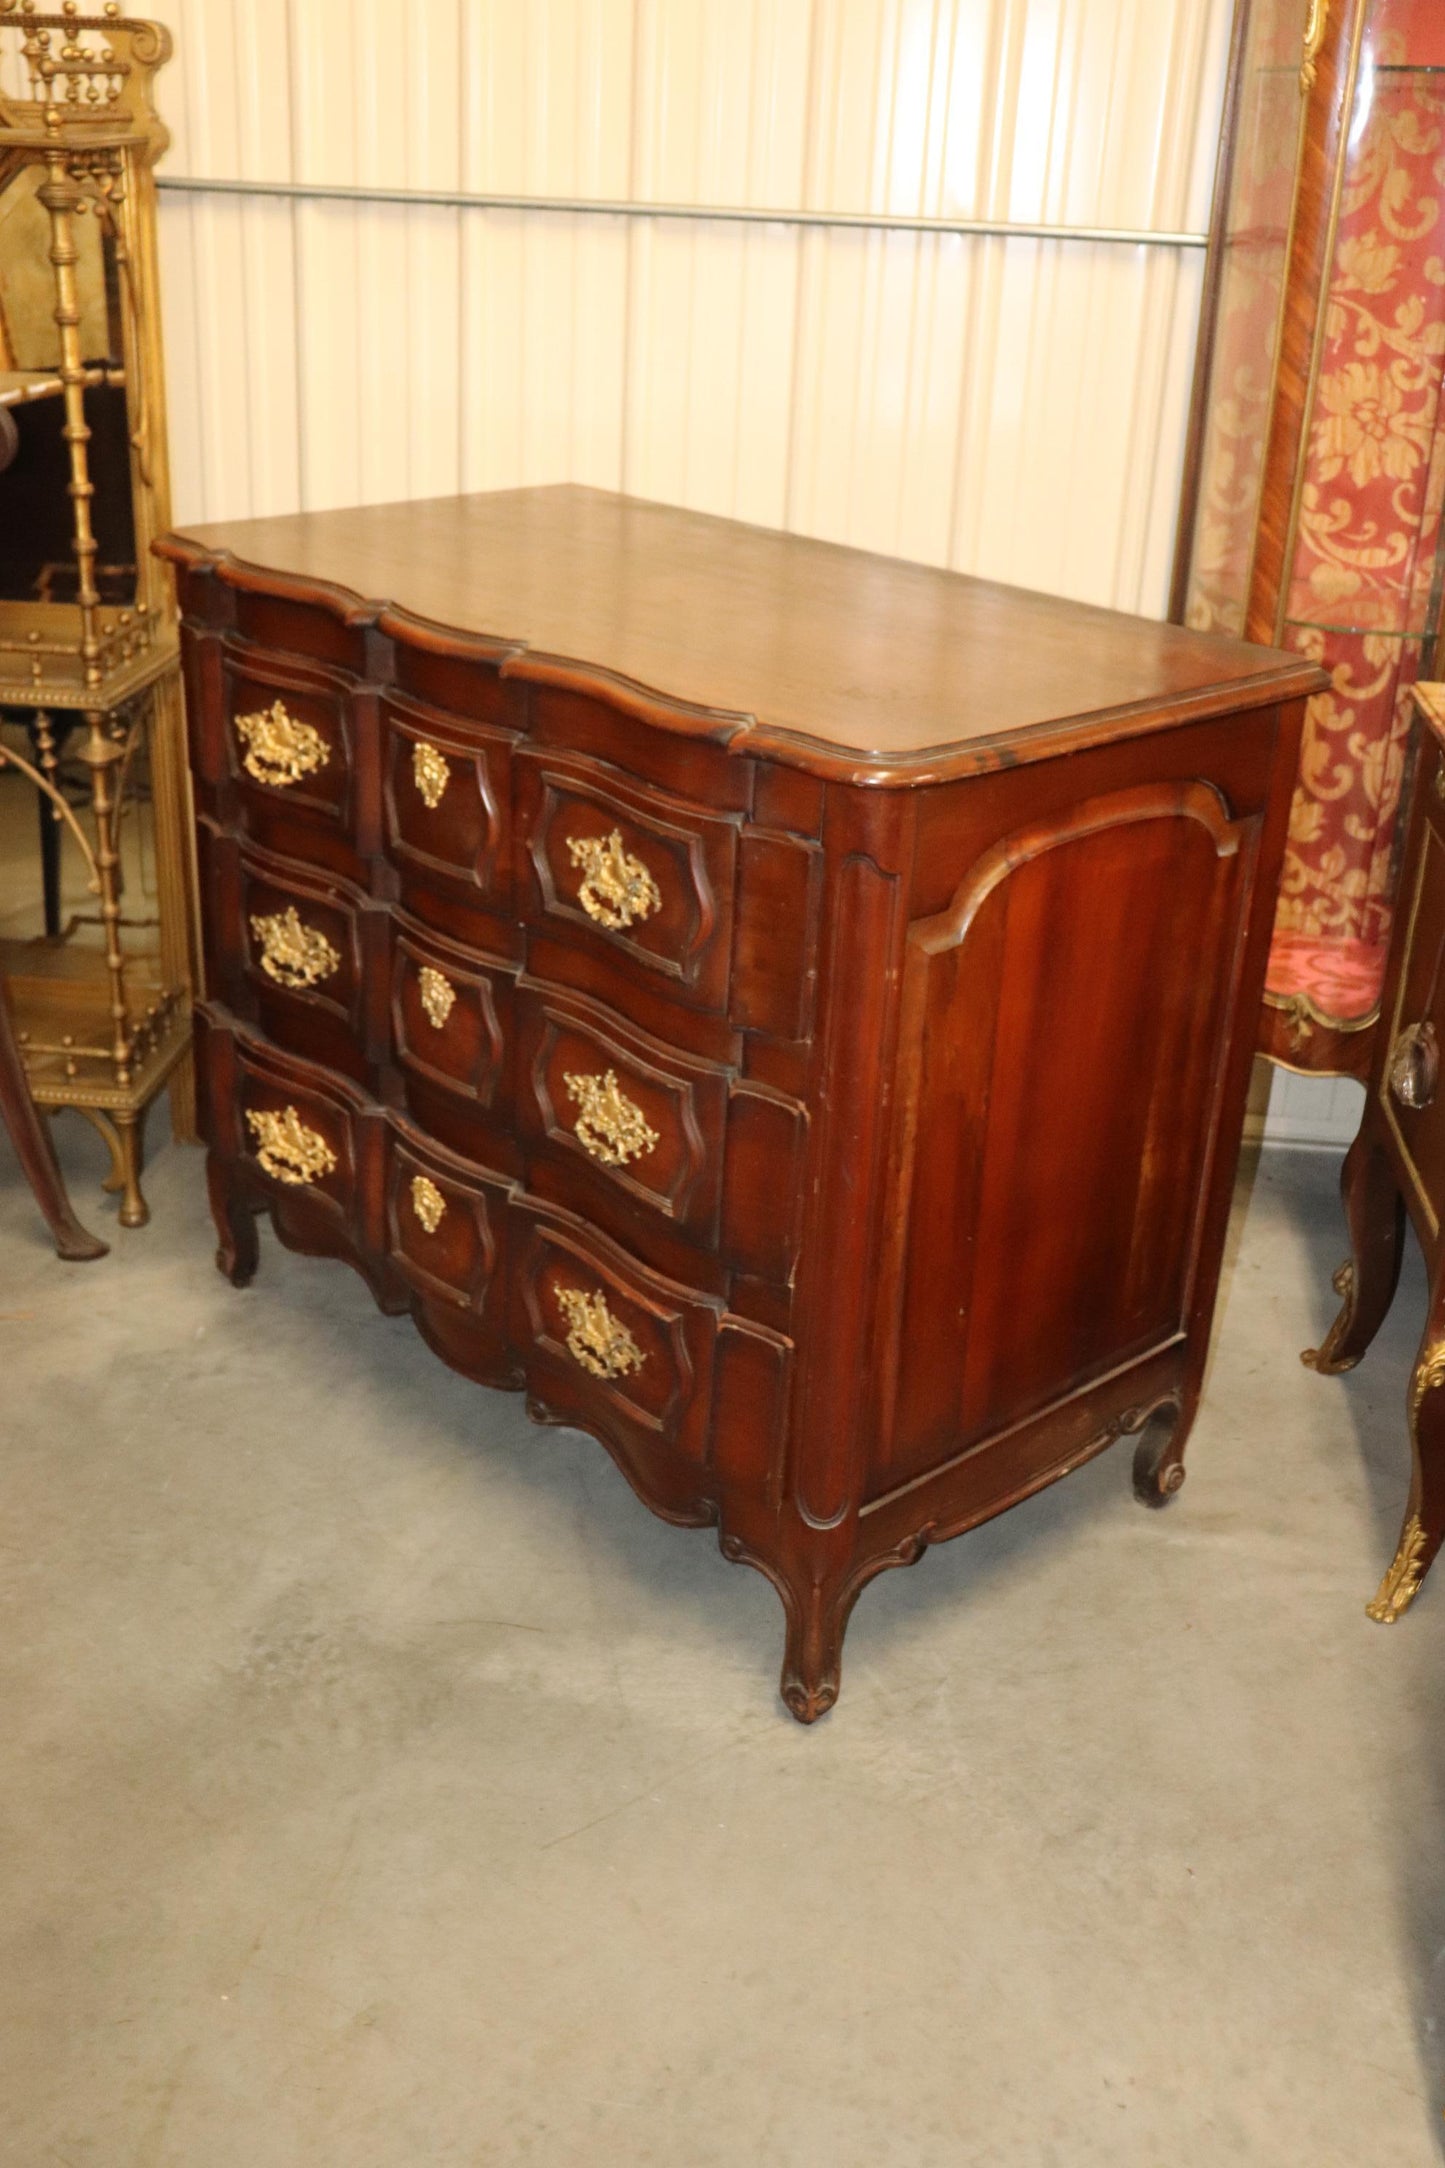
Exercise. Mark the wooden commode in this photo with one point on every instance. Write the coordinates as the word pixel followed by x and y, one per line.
pixel 787 1010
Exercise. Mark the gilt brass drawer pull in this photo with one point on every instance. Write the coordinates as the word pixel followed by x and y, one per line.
pixel 610 1127
pixel 437 995
pixel 596 1339
pixel 289 1150
pixel 1414 1066
pixel 432 773
pixel 293 954
pixel 280 749
pixel 616 889
pixel 428 1203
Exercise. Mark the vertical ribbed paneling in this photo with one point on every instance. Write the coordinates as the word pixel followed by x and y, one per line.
pixel 1013 407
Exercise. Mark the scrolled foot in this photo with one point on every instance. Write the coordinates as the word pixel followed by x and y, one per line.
pixel 817 1616
pixel 1159 1460
pixel 808 1703
pixel 1401 1584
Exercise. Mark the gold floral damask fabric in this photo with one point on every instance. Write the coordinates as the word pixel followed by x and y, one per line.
pixel 1364 596
pixel 1364 590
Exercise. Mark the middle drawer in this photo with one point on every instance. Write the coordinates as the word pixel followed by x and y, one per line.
pixel 653 1143
pixel 298 952
pixel 637 1119
pixel 627 889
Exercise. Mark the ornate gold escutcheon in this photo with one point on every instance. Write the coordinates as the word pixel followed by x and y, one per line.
pixel 1316 23
pixel 287 1149
pixel 293 954
pixel 438 995
pixel 432 773
pixel 609 1127
pixel 427 1202
pixel 595 1338
pixel 1401 1584
pixel 616 889
pixel 280 748
pixel 1414 1068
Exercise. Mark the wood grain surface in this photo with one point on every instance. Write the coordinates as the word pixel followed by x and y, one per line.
pixel 803 638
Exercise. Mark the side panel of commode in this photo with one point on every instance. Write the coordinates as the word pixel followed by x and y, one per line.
pixel 1062 1052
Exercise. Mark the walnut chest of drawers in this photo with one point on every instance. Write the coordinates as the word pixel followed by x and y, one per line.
pixel 786 1010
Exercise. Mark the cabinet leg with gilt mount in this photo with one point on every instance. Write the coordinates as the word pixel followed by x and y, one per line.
pixel 1424 1528
pixel 1375 1213
pixel 1395 1169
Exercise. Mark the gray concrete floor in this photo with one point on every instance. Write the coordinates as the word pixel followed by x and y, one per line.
pixel 383 1787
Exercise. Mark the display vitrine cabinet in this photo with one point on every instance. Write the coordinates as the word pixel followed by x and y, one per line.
pixel 89 685
pixel 1315 471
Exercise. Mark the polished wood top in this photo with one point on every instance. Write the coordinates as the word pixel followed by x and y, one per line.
pixel 889 663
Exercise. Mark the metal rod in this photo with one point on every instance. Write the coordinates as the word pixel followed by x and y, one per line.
pixel 731 214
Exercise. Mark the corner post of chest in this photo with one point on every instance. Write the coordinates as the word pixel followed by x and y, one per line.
pixel 819 1564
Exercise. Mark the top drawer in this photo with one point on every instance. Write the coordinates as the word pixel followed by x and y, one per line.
pixel 628 873
pixel 288 746
pixel 445 789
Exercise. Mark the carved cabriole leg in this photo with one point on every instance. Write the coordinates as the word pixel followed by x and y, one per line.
pixel 1375 1213
pixel 1424 1526
pixel 817 1611
pixel 239 1250
pixel 819 1583
pixel 815 1607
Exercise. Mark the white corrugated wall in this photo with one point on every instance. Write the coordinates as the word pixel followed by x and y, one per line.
pixel 1007 406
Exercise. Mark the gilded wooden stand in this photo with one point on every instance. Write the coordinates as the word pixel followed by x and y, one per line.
pixel 102 1012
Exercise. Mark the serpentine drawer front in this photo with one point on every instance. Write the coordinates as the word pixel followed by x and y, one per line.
pixel 787 1011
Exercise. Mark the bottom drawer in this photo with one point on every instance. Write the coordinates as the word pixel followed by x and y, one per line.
pixel 445 1221
pixel 605 1340
pixel 295 1128
pixel 508 1287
